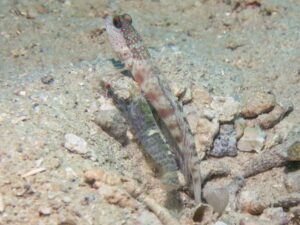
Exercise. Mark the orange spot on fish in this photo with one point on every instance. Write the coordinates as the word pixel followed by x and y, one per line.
pixel 164 113
pixel 138 77
pixel 152 96
pixel 173 126
pixel 178 139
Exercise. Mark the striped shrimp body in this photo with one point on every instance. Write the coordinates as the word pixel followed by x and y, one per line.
pixel 128 44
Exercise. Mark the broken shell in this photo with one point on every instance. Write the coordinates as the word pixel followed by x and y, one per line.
pixel 218 198
pixel 203 213
pixel 249 202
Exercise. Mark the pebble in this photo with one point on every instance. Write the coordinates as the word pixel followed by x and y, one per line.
pixel 21 93
pixel 75 144
pixel 191 118
pixel 212 168
pixel 220 223
pixel 256 103
pixel 107 103
pixel 275 215
pixel 292 181
pixel 293 152
pixel 178 89
pixel 296 214
pixel 67 222
pixel 55 204
pixel 44 211
pixel 269 120
pixel 187 97
pixel 113 123
pixel 225 143
pixel 239 125
pixel 48 79
pixel 255 221
pixel 223 197
pixel 53 163
pixel 252 140
pixel 18 52
pixel 66 199
pixel 226 108
pixel 144 218
pixel 218 198
pixel 273 140
pixel 250 202
pixel 206 130
pixel 293 144
pixel 201 96
pixel 234 188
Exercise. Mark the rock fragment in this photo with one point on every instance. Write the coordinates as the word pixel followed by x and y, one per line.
pixel 255 221
pixel 201 95
pixel 250 202
pixel 188 97
pixel 293 144
pixel 67 222
pixel 239 125
pixel 126 193
pixel 221 197
pixel 75 144
pixel 256 103
pixel 264 161
pixel 48 79
pixel 273 140
pixel 203 213
pixel 213 168
pixel 178 89
pixel 220 223
pixel 275 216
pixel 225 142
pixel 292 181
pixel 296 215
pixel 269 120
pixel 293 152
pixel 44 211
pixel 252 140
pixel 218 198
pixel 226 108
pixel 113 123
pixel 205 132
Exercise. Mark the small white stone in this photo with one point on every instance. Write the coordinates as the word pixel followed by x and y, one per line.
pixel 66 199
pixel 22 93
pixel 292 181
pixel 226 107
pixel 75 144
pixel 252 140
pixel 220 223
pixel 106 104
pixel 188 97
pixel 45 211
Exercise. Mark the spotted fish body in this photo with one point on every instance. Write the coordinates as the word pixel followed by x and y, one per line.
pixel 138 113
pixel 128 44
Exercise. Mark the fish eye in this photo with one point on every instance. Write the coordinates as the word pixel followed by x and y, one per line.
pixel 127 18
pixel 117 22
